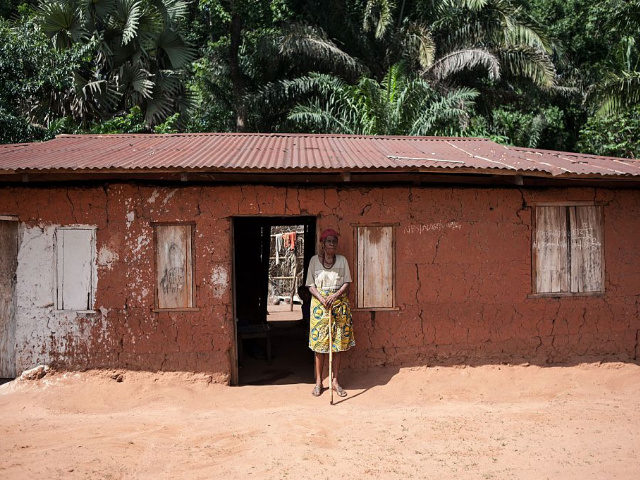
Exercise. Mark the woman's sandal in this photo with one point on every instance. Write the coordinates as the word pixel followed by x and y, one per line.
pixel 340 391
pixel 317 391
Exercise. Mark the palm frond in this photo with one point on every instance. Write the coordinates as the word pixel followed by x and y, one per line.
pixel 472 4
pixel 319 118
pixel 617 93
pixel 417 42
pixel 129 11
pixel 521 34
pixel 177 10
pixel 135 79
pixel 177 50
pixel 460 60
pixel 283 92
pixel 530 63
pixel 311 43
pixel 452 107
pixel 62 22
pixel 96 11
pixel 93 98
pixel 158 107
pixel 378 13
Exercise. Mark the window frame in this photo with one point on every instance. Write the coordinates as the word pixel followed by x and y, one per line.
pixel 355 274
pixel 534 256
pixel 94 274
pixel 156 300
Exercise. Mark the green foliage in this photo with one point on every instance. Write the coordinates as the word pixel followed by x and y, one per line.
pixel 399 105
pixel 616 135
pixel 135 55
pixel 14 129
pixel 30 73
pixel 525 129
pixel 133 122
pixel 558 74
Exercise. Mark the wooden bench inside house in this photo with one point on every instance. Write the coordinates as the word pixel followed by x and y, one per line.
pixel 253 330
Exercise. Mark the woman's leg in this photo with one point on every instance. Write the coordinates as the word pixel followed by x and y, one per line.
pixel 319 364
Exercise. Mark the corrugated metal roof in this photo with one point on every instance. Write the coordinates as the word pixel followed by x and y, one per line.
pixel 275 152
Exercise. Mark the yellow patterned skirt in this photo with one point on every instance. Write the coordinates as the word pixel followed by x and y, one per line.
pixel 342 325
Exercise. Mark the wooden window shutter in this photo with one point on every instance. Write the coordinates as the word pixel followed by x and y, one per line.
pixel 587 272
pixel 375 267
pixel 550 247
pixel 567 249
pixel 174 266
pixel 75 254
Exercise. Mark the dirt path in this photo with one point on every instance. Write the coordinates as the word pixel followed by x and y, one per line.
pixel 490 422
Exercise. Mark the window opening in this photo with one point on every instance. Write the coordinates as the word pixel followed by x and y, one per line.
pixel 375 267
pixel 75 261
pixel 174 266
pixel 568 249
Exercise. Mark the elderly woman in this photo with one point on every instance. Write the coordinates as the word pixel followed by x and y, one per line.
pixel 328 280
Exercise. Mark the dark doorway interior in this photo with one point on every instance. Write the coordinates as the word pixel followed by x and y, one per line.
pixel 269 352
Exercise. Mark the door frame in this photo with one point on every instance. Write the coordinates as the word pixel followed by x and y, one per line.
pixel 270 220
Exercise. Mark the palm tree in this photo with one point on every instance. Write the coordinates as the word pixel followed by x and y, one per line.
pixel 398 105
pixel 132 52
pixel 251 50
pixel 453 36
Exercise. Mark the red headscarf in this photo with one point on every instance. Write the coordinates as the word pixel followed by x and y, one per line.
pixel 329 232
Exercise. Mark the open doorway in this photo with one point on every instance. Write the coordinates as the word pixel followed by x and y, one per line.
pixel 271 255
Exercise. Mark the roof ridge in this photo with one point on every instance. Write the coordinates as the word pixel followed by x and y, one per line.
pixel 268 134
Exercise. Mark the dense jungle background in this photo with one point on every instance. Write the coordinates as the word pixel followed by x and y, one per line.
pixel 554 74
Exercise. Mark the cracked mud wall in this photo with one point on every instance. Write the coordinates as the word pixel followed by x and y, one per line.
pixel 463 276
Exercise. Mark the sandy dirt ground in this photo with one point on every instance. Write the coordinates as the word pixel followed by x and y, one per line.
pixel 488 422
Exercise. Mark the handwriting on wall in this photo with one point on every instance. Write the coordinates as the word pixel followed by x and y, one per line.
pixel 431 227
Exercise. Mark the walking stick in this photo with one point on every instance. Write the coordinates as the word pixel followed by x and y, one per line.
pixel 328 310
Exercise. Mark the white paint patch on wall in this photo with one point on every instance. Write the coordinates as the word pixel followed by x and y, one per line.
pixel 141 242
pixel 131 216
pixel 153 196
pixel 43 332
pixel 168 197
pixel 106 258
pixel 219 281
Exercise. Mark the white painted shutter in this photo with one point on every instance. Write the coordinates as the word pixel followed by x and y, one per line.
pixel 375 267
pixel 75 252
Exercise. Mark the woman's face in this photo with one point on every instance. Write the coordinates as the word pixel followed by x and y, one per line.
pixel 330 244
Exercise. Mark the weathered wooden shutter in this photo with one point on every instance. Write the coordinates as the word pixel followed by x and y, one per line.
pixel 174 282
pixel 375 257
pixel 550 247
pixel 586 249
pixel 8 266
pixel 75 260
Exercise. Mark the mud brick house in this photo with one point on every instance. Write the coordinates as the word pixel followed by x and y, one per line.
pixel 148 251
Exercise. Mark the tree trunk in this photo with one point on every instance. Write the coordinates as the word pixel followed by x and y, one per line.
pixel 237 79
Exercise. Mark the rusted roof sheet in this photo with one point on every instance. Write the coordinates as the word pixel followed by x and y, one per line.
pixel 275 152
